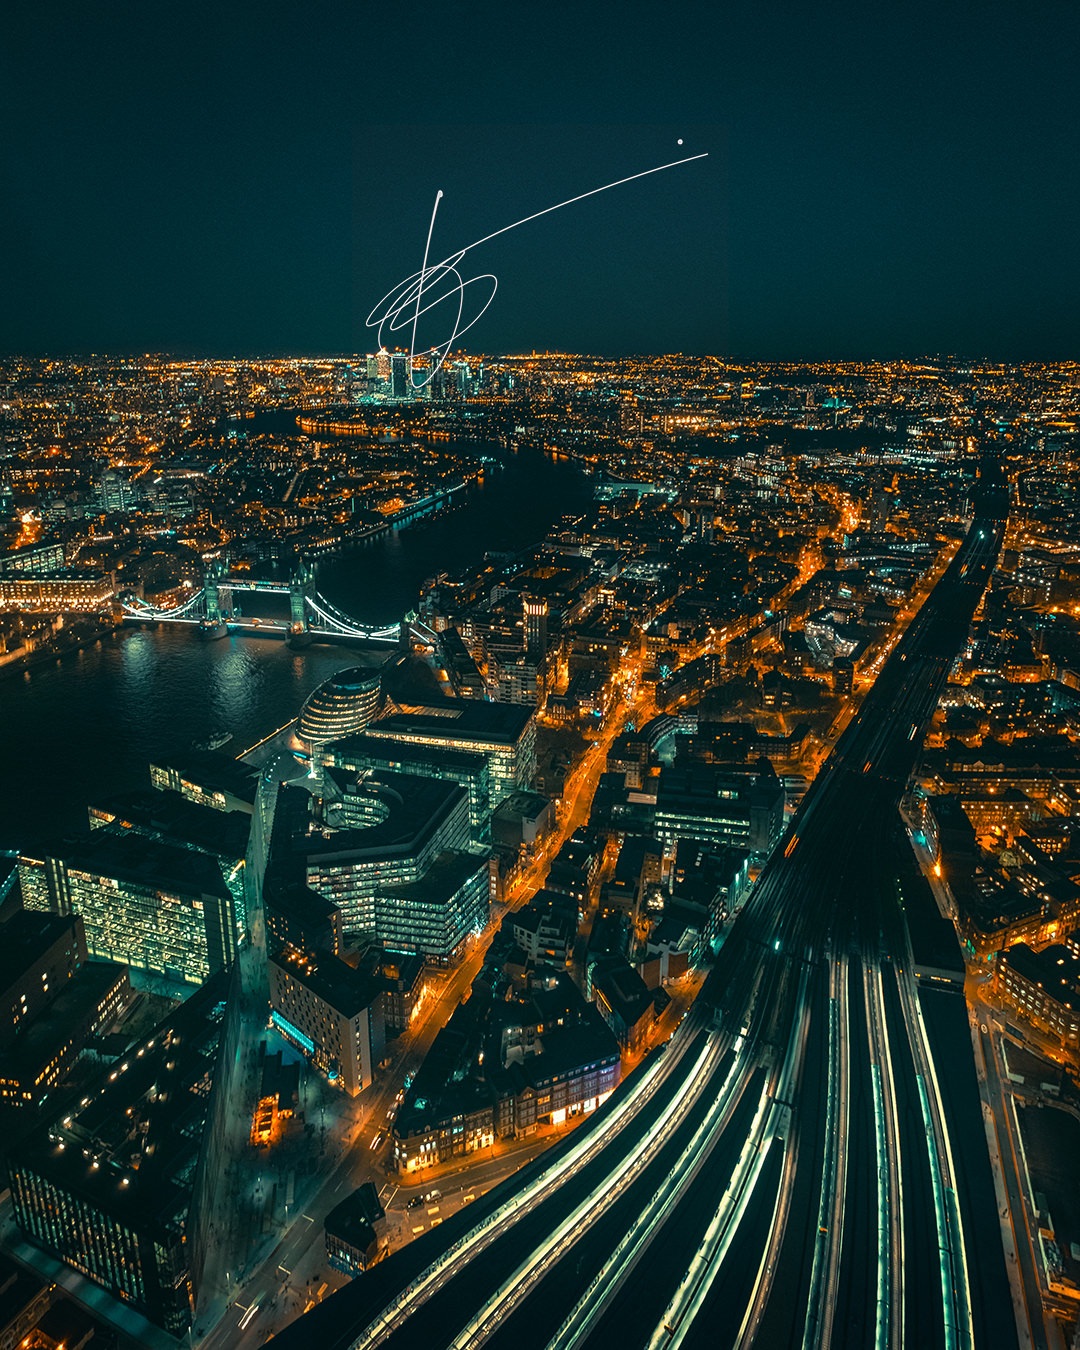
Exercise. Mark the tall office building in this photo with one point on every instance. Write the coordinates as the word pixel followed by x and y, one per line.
pixel 115 492
pixel 119 1186
pixel 154 907
pixel 536 617
pixel 399 374
pixel 389 852
pixel 331 1011
pixel 471 771
pixel 743 811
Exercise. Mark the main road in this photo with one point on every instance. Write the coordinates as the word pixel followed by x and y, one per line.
pixel 796 1166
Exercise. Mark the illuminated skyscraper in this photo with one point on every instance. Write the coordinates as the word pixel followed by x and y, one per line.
pixel 536 614
pixel 399 375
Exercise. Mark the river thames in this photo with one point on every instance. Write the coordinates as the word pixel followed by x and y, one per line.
pixel 87 725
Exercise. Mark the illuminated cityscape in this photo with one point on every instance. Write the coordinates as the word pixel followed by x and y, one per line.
pixel 542 810
pixel 695 819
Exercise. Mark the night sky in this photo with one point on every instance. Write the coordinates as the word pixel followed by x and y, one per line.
pixel 234 179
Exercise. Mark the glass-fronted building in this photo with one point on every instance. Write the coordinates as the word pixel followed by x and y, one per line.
pixel 472 771
pixel 151 906
pixel 503 732
pixel 390 852
pixel 112 1187
pixel 341 706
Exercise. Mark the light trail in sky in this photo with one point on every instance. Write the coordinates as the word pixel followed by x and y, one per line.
pixel 405 303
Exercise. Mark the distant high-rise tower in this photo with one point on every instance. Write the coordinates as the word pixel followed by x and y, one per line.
pixel 536 612
pixel 382 365
pixel 115 493
pixel 399 374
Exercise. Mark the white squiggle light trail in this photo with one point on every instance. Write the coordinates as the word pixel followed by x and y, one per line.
pixel 405 303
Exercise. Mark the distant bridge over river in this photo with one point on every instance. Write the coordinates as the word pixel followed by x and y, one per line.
pixel 212 609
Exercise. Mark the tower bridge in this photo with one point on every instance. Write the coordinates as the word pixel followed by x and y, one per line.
pixel 211 608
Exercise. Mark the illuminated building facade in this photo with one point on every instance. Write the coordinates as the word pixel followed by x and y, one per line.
pixel 501 1067
pixel 115 1187
pixel 148 905
pixel 743 811
pixel 504 733
pixel 1044 986
pixel 42 593
pixel 331 1011
pixel 471 771
pixel 391 852
pixel 399 374
pixel 352 1231
pixel 52 1000
pixel 208 779
pixel 341 706
pixel 43 558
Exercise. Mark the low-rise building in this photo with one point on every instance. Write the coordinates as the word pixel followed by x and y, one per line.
pixel 625 1002
pixel 352 1231
pixel 1044 986
pixel 505 1064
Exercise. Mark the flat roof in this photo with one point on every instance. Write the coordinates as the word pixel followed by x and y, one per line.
pixel 169 812
pixel 464 718
pixel 1056 969
pixel 347 990
pixel 415 806
pixel 442 881
pixel 135 858
pixel 209 768
pixel 26 937
pixel 406 752
pixel 140 1121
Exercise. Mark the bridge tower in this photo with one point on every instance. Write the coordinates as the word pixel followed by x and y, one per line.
pixel 300 586
pixel 218 595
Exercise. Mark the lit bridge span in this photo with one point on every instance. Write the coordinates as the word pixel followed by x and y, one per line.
pixel 804 1164
pixel 211 609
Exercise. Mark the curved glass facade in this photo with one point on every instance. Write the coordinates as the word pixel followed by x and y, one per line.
pixel 341 706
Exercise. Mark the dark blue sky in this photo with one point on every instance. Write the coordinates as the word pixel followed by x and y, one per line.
pixel 231 178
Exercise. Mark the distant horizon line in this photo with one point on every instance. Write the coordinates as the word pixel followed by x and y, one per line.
pixel 341 354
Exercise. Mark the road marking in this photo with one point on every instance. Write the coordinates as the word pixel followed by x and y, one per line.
pixel 419 1230
pixel 434 1209
pixel 308 1217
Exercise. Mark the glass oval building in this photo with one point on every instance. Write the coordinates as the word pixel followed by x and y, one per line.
pixel 341 706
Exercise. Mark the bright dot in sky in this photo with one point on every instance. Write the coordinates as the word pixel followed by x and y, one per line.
pixel 680 140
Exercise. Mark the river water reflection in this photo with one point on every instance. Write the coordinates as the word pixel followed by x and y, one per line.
pixel 86 726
